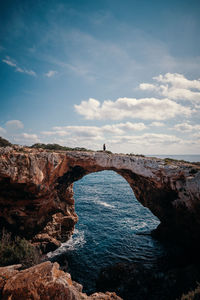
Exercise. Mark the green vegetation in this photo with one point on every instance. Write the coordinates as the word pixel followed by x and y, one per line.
pixel 192 295
pixel 132 154
pixel 171 160
pixel 57 147
pixel 17 251
pixel 168 160
pixel 4 142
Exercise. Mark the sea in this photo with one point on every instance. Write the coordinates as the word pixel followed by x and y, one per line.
pixel 113 227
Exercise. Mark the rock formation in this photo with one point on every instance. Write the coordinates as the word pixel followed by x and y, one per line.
pixel 36 191
pixel 44 281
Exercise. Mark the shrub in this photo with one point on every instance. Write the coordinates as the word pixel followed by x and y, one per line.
pixel 4 142
pixel 58 147
pixel 132 154
pixel 17 251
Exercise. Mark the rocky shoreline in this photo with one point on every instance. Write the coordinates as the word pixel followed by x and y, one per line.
pixel 36 198
pixel 44 281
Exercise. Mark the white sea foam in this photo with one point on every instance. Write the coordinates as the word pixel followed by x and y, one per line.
pixel 145 225
pixel 104 204
pixel 140 225
pixel 75 242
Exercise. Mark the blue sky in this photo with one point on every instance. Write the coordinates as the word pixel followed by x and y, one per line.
pixel 83 73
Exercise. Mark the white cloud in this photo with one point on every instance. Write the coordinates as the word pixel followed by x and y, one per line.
pixel 13 132
pixel 197 136
pixel 181 94
pixel 25 71
pixel 92 133
pixel 78 131
pixel 121 137
pixel 186 127
pixel 123 127
pixel 114 129
pixel 29 136
pixel 148 139
pixel 178 81
pixel 115 135
pixel 175 86
pixel 50 73
pixel 146 109
pixel 11 63
pixel 157 124
pixel 147 143
pixel 26 138
pixel 56 132
pixel 147 86
pixel 13 125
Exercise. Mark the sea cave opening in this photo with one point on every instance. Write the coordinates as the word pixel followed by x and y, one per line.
pixel 113 227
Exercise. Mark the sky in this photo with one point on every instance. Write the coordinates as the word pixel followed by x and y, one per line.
pixel 82 73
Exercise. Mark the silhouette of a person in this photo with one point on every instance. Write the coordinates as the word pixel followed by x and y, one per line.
pixel 104 147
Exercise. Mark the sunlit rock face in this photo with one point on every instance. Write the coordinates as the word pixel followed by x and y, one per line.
pixel 44 281
pixel 36 191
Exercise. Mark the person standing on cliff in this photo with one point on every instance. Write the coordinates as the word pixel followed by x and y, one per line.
pixel 104 147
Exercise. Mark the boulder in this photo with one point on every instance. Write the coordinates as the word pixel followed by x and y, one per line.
pixel 43 282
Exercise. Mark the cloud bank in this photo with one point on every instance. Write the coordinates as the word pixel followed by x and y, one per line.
pixel 145 109
pixel 168 124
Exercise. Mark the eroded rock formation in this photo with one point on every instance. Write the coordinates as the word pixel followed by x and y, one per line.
pixel 44 281
pixel 36 191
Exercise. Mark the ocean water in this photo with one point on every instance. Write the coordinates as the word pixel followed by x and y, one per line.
pixel 189 157
pixel 113 227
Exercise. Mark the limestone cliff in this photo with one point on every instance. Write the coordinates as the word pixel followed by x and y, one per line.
pixel 36 191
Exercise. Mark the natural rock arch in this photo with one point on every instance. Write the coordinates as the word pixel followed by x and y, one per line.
pixel 36 191
pixel 157 198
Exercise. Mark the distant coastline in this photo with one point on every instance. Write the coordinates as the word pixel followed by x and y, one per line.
pixel 186 157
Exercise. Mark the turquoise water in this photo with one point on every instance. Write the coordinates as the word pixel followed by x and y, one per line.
pixel 113 227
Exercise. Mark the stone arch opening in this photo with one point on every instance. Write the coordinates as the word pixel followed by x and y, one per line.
pixel 110 229
pixel 156 196
pixel 105 182
pixel 151 194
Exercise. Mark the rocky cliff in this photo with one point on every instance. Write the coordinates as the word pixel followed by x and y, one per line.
pixel 36 191
pixel 44 281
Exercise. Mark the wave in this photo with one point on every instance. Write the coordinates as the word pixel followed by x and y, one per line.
pixel 105 204
pixel 76 241
pixel 145 225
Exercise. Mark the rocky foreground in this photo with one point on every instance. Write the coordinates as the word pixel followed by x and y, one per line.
pixel 44 281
